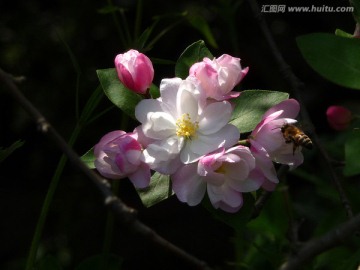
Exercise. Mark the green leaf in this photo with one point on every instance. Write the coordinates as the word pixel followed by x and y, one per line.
pixel 356 13
pixel 154 91
pixel 101 262
pixel 352 153
pixel 324 191
pixel 335 257
pixel 162 32
pixel 251 105
pixel 162 61
pixel 159 190
pixel 4 153
pixel 351 260
pixel 91 105
pixel 200 24
pixel 192 54
pixel 108 9
pixel 144 37
pixel 49 263
pixel 342 33
pixel 265 223
pixel 235 220
pixel 335 58
pixel 88 158
pixel 122 97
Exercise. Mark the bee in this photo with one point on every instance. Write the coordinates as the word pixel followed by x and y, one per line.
pixel 293 134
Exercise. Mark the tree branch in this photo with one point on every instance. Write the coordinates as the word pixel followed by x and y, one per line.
pixel 126 215
pixel 297 86
pixel 326 242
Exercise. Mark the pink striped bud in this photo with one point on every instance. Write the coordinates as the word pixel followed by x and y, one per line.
pixel 119 155
pixel 135 71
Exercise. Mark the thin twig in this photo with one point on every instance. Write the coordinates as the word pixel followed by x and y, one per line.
pixel 265 195
pixel 357 31
pixel 260 203
pixel 126 215
pixel 297 87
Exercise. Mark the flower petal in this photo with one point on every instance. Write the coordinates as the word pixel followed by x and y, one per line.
pixel 146 106
pixel 263 162
pixel 214 117
pixel 252 182
pixel 270 136
pixel 159 125
pixel 144 73
pixel 204 144
pixel 107 139
pixel 186 102
pixel 163 156
pixel 141 177
pixel 187 185
pixel 225 198
pixel 107 167
pixel 285 155
pixel 168 90
pixel 237 171
pixel 290 109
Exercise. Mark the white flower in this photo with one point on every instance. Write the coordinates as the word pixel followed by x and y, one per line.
pixel 182 126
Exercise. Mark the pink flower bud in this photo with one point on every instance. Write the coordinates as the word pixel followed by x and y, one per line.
pixel 134 70
pixel 338 117
pixel 218 77
pixel 118 155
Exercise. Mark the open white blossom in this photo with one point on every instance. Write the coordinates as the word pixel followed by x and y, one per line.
pixel 182 126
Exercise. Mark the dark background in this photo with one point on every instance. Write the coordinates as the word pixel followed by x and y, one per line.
pixel 30 46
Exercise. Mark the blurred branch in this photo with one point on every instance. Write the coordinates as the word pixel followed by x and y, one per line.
pixel 357 30
pixel 126 215
pixel 326 242
pixel 297 87
pixel 260 203
pixel 265 195
pixel 6 152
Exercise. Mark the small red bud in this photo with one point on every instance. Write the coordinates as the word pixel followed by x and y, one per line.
pixel 338 117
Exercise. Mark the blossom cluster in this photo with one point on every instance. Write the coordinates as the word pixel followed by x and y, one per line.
pixel 185 133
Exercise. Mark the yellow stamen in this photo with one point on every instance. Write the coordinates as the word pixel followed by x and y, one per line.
pixel 221 169
pixel 186 128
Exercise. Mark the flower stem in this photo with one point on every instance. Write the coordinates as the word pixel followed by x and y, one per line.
pixel 46 205
pixel 139 9
pixel 244 142
pixel 109 230
pixel 239 247
pixel 109 225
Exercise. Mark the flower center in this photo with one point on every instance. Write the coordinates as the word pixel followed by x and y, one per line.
pixel 186 128
pixel 221 169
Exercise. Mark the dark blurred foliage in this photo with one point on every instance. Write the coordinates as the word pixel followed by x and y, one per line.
pixel 30 46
